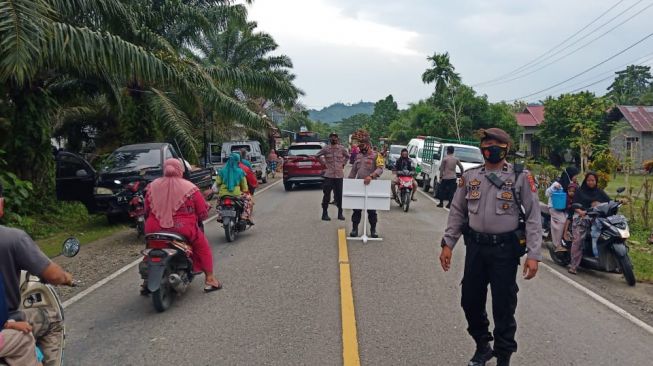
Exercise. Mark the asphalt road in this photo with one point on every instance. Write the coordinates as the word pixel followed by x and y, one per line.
pixel 280 304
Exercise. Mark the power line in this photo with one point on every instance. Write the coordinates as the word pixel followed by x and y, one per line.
pixel 587 70
pixel 551 49
pixel 575 50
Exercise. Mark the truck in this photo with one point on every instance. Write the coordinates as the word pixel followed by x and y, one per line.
pixel 433 153
pixel 100 191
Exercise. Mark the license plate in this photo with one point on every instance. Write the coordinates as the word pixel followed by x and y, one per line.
pixel 228 213
pixel 305 164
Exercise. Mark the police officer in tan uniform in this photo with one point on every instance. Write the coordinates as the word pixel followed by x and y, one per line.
pixel 368 165
pixel 496 208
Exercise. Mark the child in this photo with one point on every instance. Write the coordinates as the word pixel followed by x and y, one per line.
pixel 571 191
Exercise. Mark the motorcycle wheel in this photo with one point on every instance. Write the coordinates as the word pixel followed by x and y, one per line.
pixel 561 259
pixel 627 269
pixel 405 200
pixel 264 179
pixel 162 298
pixel 140 229
pixel 287 186
pixel 229 228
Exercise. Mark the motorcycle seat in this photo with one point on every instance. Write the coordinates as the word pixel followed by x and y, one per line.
pixel 161 235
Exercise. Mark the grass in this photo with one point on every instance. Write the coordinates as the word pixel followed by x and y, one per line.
pixel 634 181
pixel 95 228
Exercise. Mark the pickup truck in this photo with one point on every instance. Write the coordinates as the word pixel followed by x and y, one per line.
pixel 219 154
pixel 433 153
pixel 77 180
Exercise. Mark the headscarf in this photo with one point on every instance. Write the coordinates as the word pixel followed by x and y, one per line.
pixel 232 174
pixel 168 193
pixel 586 195
pixel 567 175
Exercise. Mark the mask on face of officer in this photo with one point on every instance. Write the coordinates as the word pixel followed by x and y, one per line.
pixel 364 148
pixel 495 153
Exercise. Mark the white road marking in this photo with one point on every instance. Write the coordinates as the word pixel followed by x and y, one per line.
pixel 124 269
pixel 607 303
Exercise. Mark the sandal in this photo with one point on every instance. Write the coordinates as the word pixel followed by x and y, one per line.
pixel 211 288
pixel 572 271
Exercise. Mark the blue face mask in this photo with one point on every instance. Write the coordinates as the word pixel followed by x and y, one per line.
pixel 494 154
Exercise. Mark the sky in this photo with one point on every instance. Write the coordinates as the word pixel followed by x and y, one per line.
pixel 352 50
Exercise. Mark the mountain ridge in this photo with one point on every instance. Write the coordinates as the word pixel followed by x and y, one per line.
pixel 336 112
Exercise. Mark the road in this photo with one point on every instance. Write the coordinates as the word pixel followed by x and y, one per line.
pixel 280 304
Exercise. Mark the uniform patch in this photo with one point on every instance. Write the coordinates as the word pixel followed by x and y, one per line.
pixel 506 196
pixel 531 181
pixel 508 183
pixel 505 206
pixel 475 195
pixel 461 182
pixel 475 183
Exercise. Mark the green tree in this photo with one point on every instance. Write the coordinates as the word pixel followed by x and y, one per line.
pixel 442 73
pixel 385 111
pixel 631 84
pixel 348 125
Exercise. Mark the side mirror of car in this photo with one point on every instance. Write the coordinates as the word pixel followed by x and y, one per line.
pixel 81 173
pixel 412 156
pixel 70 247
pixel 436 156
pixel 577 206
pixel 621 189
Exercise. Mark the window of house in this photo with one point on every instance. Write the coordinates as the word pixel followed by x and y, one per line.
pixel 632 143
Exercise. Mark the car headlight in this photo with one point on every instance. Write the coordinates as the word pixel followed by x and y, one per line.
pixel 101 191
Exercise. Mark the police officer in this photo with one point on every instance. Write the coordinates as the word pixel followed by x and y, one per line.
pixel 368 166
pixel 334 157
pixel 486 210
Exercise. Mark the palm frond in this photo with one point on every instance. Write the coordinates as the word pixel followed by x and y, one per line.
pixel 173 120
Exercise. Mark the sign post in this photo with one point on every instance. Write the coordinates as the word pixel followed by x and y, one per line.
pixel 358 196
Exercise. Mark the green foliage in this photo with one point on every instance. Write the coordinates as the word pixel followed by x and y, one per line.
pixel 348 125
pixel 442 73
pixel 632 86
pixel 338 112
pixel 17 192
pixel 385 111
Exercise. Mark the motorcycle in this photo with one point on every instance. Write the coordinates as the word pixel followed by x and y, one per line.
pixel 35 294
pixel 136 208
pixel 405 191
pixel 167 268
pixel 231 210
pixel 611 244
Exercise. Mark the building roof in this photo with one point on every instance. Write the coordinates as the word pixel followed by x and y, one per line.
pixel 640 117
pixel 531 116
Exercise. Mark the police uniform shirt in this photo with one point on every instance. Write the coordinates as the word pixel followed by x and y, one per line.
pixel 365 165
pixel 493 210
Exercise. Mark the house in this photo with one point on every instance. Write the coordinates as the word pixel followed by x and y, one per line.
pixel 631 139
pixel 529 119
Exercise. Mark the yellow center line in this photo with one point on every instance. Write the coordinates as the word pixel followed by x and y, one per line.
pixel 350 354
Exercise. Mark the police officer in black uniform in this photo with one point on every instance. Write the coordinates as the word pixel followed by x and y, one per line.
pixel 496 208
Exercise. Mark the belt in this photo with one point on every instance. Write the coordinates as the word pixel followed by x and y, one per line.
pixel 490 239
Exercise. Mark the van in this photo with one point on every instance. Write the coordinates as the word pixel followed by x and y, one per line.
pixel 416 153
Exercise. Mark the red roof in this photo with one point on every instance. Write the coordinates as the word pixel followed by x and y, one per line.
pixel 640 117
pixel 532 116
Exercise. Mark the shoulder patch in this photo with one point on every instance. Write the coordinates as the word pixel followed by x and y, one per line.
pixel 531 182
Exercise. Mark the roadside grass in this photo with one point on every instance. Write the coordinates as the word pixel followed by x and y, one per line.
pixel 634 181
pixel 641 254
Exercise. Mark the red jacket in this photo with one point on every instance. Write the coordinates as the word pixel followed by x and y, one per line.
pixel 252 181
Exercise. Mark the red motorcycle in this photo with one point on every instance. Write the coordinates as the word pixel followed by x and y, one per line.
pixel 405 191
pixel 136 208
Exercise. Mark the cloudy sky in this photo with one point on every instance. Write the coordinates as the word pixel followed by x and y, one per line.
pixel 353 50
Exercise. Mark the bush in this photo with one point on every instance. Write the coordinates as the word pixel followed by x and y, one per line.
pixel 16 191
pixel 648 166
pixel 604 164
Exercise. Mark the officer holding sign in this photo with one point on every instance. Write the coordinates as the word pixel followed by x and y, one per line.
pixel 496 208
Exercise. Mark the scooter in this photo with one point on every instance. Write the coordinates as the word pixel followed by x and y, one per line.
pixel 167 268
pixel 35 294
pixel 611 244
pixel 231 210
pixel 136 209
pixel 405 191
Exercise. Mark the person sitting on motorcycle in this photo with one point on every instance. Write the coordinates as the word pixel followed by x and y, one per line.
pixel 403 163
pixel 18 252
pixel 559 217
pixel 176 205
pixel 17 344
pixel 588 195
pixel 232 182
pixel 246 166
pixel 571 192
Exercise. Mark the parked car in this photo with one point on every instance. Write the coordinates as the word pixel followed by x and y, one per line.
pixel 301 166
pixel 103 191
pixel 393 154
pixel 254 155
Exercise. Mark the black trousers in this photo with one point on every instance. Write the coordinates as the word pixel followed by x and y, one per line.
pixel 446 190
pixel 335 185
pixel 497 266
pixel 358 214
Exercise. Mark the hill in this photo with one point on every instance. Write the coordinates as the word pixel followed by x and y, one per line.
pixel 339 111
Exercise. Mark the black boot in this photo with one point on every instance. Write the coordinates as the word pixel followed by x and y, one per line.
pixel 341 217
pixel 449 204
pixel 354 231
pixel 503 360
pixel 373 233
pixel 441 204
pixel 325 215
pixel 482 355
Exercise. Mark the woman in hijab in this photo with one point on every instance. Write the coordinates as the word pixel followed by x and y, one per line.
pixel 588 195
pixel 559 217
pixel 232 181
pixel 176 205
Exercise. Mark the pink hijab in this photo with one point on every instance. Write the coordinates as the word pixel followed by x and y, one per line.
pixel 168 193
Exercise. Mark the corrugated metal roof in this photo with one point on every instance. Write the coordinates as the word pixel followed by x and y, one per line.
pixel 537 111
pixel 640 117
pixel 532 116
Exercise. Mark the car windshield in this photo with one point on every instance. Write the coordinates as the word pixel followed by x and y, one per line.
pixel 396 149
pixel 133 160
pixel 309 150
pixel 468 155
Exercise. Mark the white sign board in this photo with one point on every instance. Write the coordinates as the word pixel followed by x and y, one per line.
pixel 378 194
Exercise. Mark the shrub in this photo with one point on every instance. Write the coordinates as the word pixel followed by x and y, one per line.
pixel 648 166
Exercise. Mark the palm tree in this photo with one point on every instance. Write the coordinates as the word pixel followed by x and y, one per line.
pixel 442 72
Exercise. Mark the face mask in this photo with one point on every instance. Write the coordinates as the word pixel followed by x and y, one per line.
pixel 494 154
pixel 334 141
pixel 364 148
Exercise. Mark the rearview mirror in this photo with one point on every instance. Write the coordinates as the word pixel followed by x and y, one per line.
pixel 621 189
pixel 81 173
pixel 436 156
pixel 412 156
pixel 70 247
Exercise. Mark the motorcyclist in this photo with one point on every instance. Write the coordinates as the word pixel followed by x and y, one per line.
pixel 246 166
pixel 231 182
pixel 403 163
pixel 18 252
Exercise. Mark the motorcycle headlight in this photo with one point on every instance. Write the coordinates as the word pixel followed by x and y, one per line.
pixel 100 191
pixel 625 233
